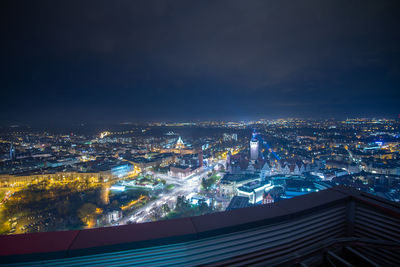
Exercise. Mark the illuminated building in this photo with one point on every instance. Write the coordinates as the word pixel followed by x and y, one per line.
pixel 267 199
pixel 183 171
pixel 179 148
pixel 254 191
pixel 121 171
pixel 162 159
pixel 104 134
pixel 290 167
pixel 95 174
pixel 179 144
pixel 196 200
pixel 265 171
pixel 181 151
pixel 254 149
pixel 230 137
pixel 113 216
pixel 234 137
pixel 22 180
pixel 12 152
pixel 230 182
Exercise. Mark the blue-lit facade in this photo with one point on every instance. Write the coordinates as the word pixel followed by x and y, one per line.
pixel 121 171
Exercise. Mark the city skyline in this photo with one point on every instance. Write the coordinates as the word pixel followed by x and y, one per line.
pixel 135 173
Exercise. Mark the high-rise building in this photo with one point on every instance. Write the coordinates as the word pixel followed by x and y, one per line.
pixel 254 148
pixel 230 137
pixel 12 152
pixel 234 137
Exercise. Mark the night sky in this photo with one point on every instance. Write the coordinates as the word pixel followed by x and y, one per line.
pixel 115 61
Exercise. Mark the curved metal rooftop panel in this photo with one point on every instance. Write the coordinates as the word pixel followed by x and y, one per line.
pixel 321 227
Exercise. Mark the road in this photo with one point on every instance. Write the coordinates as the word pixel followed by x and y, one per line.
pixel 183 187
pixel 356 161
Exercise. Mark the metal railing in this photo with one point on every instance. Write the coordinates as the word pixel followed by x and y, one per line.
pixel 287 232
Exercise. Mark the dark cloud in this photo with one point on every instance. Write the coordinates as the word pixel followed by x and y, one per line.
pixel 95 60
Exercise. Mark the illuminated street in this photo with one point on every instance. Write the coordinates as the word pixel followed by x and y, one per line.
pixel 183 187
